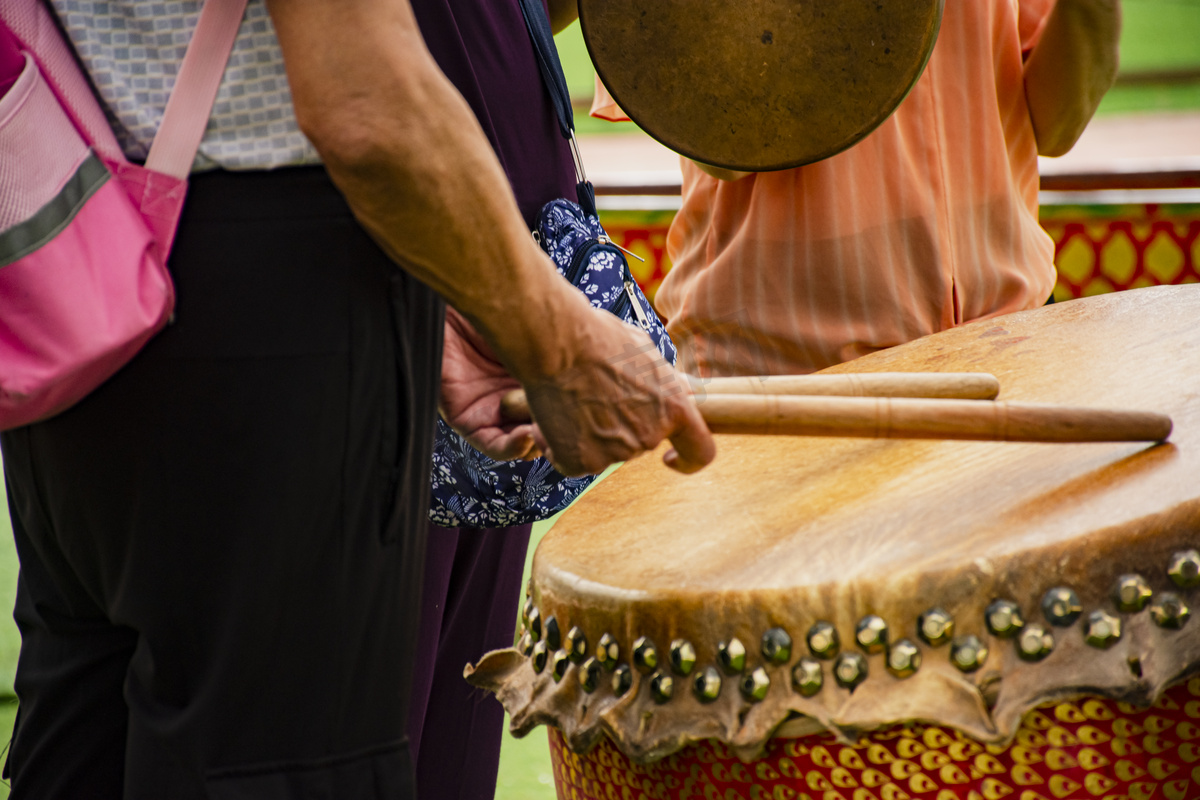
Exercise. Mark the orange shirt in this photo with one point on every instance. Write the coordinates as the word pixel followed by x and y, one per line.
pixel 929 222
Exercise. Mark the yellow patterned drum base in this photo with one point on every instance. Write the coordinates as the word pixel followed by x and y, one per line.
pixel 1090 748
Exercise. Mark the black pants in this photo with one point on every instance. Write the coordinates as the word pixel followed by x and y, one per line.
pixel 221 547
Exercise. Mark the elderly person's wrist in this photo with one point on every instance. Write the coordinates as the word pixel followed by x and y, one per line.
pixel 534 324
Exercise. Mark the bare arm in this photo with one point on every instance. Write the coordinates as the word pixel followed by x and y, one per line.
pixel 1070 69
pixel 405 149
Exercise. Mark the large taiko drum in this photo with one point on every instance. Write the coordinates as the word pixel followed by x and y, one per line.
pixel 884 619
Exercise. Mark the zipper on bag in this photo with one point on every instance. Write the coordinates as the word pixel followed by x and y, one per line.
pixel 579 261
pixel 631 292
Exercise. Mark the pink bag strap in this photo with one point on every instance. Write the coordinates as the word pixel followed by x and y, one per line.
pixel 190 104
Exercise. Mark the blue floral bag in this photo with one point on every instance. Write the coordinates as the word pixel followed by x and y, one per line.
pixel 470 489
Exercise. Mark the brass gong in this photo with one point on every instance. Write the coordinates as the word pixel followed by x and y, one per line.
pixel 759 85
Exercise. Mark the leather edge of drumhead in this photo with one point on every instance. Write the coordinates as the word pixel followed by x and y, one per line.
pixel 849 142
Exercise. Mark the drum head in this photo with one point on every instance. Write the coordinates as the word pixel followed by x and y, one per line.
pixel 863 583
pixel 761 85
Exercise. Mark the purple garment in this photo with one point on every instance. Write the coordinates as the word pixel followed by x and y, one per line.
pixel 473 575
pixel 472 583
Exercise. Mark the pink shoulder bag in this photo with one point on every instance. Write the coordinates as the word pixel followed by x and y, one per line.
pixel 84 233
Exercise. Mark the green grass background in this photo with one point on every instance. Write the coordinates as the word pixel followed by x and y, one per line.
pixel 1158 35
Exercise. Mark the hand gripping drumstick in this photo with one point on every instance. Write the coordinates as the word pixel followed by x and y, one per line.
pixel 910 418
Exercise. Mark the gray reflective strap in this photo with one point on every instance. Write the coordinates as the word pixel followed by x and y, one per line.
pixel 52 218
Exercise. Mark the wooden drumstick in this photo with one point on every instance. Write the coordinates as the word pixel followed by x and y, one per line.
pixel 910 418
pixel 962 385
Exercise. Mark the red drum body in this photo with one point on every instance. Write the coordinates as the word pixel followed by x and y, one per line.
pixel 1088 748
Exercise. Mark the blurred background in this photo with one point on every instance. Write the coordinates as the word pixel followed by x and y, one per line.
pixel 1123 208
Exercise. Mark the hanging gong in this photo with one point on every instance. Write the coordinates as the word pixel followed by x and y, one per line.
pixel 759 85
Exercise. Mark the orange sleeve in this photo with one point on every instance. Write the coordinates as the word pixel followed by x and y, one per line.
pixel 604 107
pixel 1032 15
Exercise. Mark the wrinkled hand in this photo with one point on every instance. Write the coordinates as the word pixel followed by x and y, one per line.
pixel 473 381
pixel 616 399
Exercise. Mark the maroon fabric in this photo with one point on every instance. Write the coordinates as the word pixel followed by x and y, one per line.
pixel 472 585
pixel 485 50
pixel 473 575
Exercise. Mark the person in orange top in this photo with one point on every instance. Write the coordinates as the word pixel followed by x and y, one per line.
pixel 927 223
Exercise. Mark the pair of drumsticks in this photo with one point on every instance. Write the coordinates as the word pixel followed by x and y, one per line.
pixel 897 405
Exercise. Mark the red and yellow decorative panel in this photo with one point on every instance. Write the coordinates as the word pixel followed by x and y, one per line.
pixel 1082 750
pixel 643 233
pixel 1098 248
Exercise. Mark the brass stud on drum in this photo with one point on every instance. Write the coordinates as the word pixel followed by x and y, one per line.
pixel 823 640
pixel 540 653
pixel 527 609
pixel 622 679
pixel 732 655
pixel 755 685
pixel 935 627
pixel 707 685
pixel 662 686
pixel 1169 611
pixel 589 675
pixel 558 664
pixel 1184 569
pixel 777 646
pixel 645 655
pixel 1131 593
pixel 872 633
pixel 608 651
pixel 1004 619
pixel 850 670
pixel 968 652
pixel 1102 629
pixel 577 644
pixel 1034 643
pixel 535 624
pixel 553 637
pixel 808 676
pixel 682 656
pixel 1061 606
pixel 525 644
pixel 903 658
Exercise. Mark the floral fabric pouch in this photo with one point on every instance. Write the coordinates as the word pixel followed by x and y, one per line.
pixel 470 489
